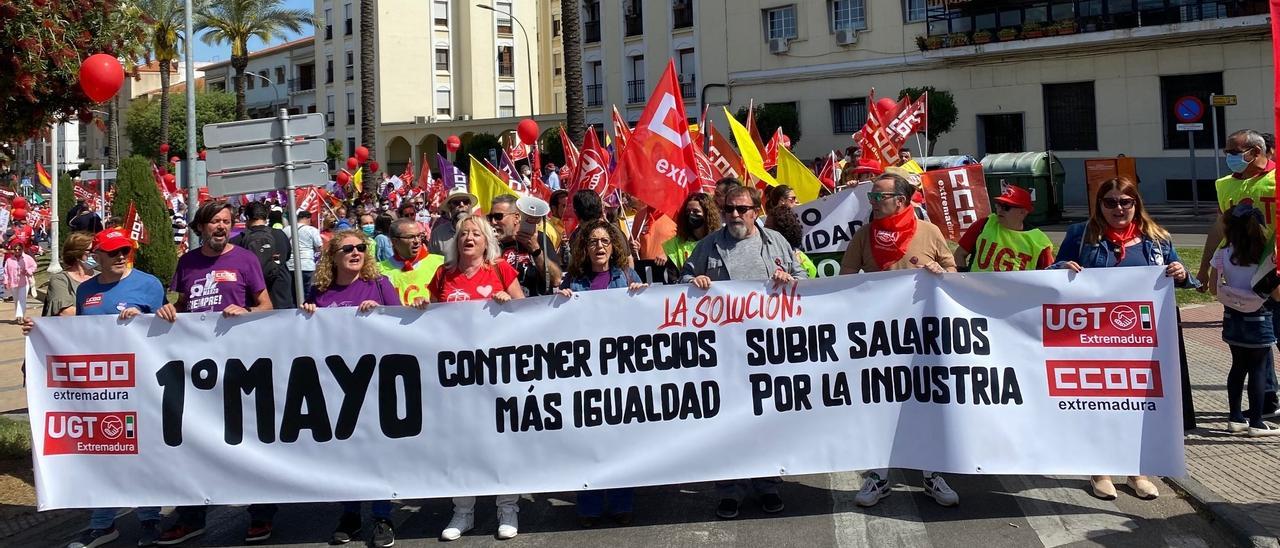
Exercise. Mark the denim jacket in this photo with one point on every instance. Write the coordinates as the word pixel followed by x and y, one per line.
pixel 1103 254
pixel 617 278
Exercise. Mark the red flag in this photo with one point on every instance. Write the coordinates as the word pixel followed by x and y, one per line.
pixel 724 158
pixel 309 199
pixel 570 151
pixel 407 176
pixel 827 175
pixel 955 198
pixel 593 167
pixel 133 223
pixel 517 151
pixel 770 151
pixel 425 179
pixel 659 165
pixel 622 130
pixel 755 131
pixel 885 133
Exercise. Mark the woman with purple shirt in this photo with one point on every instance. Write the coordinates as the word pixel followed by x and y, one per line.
pixel 346 276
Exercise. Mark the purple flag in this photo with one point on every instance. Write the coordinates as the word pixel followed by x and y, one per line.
pixel 515 181
pixel 452 176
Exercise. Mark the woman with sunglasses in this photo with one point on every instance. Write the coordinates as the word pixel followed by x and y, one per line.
pixel 1120 233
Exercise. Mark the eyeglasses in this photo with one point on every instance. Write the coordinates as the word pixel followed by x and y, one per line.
pixel 116 253
pixel 456 203
pixel 881 196
pixel 740 209
pixel 599 242
pixel 1124 203
pixel 498 217
pixel 346 249
pixel 1003 207
pixel 408 237
pixel 1237 151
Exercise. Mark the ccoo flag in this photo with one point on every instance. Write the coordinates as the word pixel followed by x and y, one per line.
pixel 658 165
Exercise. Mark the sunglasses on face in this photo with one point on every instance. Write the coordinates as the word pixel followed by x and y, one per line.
pixel 1003 207
pixel 115 253
pixel 498 217
pixel 347 249
pixel 1112 203
pixel 460 203
pixel 740 209
pixel 881 196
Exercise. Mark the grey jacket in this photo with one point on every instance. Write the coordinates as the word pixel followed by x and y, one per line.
pixel 708 258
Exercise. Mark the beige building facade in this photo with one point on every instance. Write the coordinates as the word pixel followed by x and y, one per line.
pixel 1086 79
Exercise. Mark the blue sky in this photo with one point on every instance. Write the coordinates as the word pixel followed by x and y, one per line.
pixel 205 52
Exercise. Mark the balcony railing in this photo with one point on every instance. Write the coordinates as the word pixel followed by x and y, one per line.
pixel 328 32
pixel 591 32
pixel 595 95
pixel 635 91
pixel 348 27
pixel 688 86
pixel 633 26
pixel 301 84
pixel 1011 20
pixel 328 119
pixel 682 17
pixel 351 117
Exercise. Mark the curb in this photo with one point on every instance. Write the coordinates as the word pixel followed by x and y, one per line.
pixel 1231 520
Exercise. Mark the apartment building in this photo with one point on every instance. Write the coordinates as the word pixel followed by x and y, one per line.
pixel 1085 78
pixel 281 76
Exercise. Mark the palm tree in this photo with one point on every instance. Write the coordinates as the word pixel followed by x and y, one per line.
pixel 575 116
pixel 234 22
pixel 367 76
pixel 164 22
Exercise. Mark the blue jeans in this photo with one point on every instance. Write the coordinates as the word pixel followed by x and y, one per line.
pixel 1271 386
pixel 591 503
pixel 381 508
pixel 103 518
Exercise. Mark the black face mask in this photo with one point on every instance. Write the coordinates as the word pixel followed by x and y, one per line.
pixel 695 221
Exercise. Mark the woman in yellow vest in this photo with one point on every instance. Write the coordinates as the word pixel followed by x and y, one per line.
pixel 698 217
pixel 1000 242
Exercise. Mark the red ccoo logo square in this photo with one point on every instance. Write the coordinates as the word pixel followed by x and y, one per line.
pixel 1105 378
pixel 75 433
pixel 90 371
pixel 1121 324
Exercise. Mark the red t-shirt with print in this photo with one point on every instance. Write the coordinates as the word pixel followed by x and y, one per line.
pixel 451 286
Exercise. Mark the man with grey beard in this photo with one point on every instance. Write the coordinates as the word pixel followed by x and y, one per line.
pixel 742 250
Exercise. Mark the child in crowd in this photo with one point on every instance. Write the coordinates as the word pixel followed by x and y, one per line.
pixel 19 274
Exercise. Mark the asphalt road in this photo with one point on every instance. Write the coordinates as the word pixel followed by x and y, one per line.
pixel 995 512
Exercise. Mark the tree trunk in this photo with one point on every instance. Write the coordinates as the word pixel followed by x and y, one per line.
pixel 113 133
pixel 240 63
pixel 572 41
pixel 367 78
pixel 164 103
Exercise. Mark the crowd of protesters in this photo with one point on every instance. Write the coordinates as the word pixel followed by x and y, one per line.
pixel 367 256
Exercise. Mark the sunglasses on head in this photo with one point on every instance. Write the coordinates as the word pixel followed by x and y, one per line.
pixel 354 247
pixel 1112 203
pixel 741 209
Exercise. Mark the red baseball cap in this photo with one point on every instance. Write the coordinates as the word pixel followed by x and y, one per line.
pixel 111 240
pixel 1015 196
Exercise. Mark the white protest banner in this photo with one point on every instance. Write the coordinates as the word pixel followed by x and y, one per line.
pixel 1043 372
pixel 830 221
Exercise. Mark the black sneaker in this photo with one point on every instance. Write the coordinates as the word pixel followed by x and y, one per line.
pixel 93 538
pixel 384 534
pixel 348 529
pixel 728 509
pixel 148 533
pixel 258 531
pixel 771 503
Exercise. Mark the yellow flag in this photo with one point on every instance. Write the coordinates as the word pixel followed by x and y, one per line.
pixel 912 166
pixel 357 179
pixel 791 171
pixel 485 185
pixel 751 158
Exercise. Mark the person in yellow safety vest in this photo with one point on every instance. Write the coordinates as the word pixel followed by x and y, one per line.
pixel 1005 244
pixel 411 267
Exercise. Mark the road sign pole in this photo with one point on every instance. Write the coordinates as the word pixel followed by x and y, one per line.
pixel 102 192
pixel 1195 185
pixel 1217 163
pixel 287 141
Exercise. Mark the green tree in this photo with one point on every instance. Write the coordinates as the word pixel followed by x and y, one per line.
pixel 234 22
pixel 333 152
pixel 66 201
pixel 143 130
pixel 479 146
pixel 771 116
pixel 164 25
pixel 136 185
pixel 552 147
pixel 942 111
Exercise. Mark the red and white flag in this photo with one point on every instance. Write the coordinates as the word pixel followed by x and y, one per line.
pixel 659 165
pixel 133 223
pixel 570 151
pixel 771 148
pixel 593 167
pixel 622 130
pixel 517 151
pixel 309 199
pixel 885 132
pixel 828 173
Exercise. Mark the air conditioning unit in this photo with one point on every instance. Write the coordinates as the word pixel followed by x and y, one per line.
pixel 419 119
pixel 846 37
pixel 779 45
pixel 464 116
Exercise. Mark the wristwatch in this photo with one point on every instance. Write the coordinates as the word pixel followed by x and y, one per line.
pixel 536 252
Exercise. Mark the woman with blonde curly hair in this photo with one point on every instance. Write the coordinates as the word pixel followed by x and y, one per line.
pixel 347 276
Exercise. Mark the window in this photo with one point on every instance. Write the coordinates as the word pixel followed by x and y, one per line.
pixel 351 146
pixel 555 26
pixel 279 75
pixel 681 14
pixel 442 12
pixel 635 86
pixel 506 61
pixel 443 103
pixel 328 69
pixel 1070 116
pixel 329 102
pixel 848 115
pixel 328 24
pixel 557 65
pixel 351 108
pixel 248 80
pixel 688 73
pixel 503 13
pixel 346 12
pixel 1000 133
pixel 780 23
pixel 1200 86
pixel 591 21
pixel 506 103
pixel 913 10
pixel 442 59
pixel 848 14
pixel 633 18
pixel 351 66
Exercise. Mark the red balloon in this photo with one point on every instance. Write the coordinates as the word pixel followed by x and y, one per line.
pixel 453 143
pixel 170 179
pixel 19 214
pixel 528 130
pixel 174 159
pixel 101 77
pixel 202 155
pixel 19 203
pixel 164 148
pixel 343 177
pixel 373 167
pixel 886 105
pixel 352 162
pixel 362 153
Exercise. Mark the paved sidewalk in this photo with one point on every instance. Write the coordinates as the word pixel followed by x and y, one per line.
pixel 1233 476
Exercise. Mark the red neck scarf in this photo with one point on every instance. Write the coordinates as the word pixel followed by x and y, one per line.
pixel 1119 238
pixel 890 236
pixel 410 263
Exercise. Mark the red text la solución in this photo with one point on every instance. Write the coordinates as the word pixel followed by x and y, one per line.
pixel 778 306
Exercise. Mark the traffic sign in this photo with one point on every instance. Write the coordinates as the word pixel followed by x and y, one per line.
pixel 267 178
pixel 1190 127
pixel 263 154
pixel 1223 100
pixel 1186 110
pixel 246 132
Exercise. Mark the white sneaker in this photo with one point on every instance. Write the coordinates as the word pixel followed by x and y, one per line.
pixel 1237 427
pixel 873 489
pixel 937 488
pixel 508 523
pixel 1268 429
pixel 459 524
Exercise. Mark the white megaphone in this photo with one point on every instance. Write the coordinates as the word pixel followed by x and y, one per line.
pixel 532 211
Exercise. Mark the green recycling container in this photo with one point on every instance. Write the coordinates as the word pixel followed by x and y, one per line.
pixel 1039 172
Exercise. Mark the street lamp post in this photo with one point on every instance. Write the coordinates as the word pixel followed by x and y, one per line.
pixel 271 84
pixel 189 166
pixel 533 110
